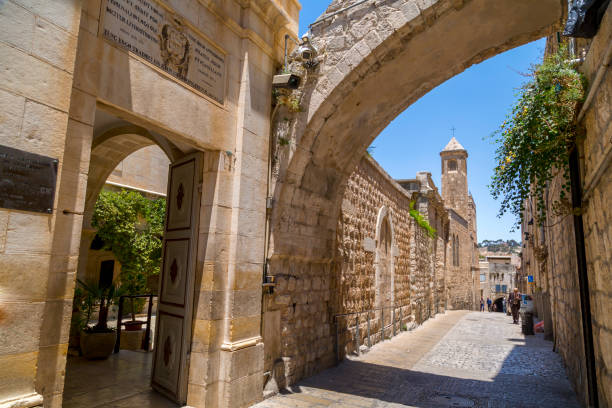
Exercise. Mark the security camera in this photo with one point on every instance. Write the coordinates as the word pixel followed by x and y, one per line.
pixel 289 81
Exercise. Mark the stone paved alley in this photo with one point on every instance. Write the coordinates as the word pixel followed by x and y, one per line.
pixel 459 359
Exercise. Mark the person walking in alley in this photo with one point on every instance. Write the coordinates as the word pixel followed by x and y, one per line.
pixel 489 304
pixel 515 305
pixel 481 304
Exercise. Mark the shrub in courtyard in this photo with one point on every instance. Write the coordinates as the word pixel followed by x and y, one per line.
pixel 131 226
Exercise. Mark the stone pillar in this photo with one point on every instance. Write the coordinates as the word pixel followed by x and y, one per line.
pixel 38 252
pixel 227 357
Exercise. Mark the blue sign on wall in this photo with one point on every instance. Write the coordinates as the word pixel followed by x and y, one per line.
pixel 530 278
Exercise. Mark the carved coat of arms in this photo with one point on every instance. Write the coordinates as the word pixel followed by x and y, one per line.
pixel 175 47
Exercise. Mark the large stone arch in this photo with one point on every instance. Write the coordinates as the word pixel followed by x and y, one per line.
pixel 376 59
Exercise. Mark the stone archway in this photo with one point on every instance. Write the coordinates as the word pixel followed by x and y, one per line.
pixel 376 60
pixel 108 149
pixel 165 368
pixel 112 146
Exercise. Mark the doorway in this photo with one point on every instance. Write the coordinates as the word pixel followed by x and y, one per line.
pixel 135 280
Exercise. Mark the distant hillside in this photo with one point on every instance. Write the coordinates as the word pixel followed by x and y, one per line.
pixel 507 247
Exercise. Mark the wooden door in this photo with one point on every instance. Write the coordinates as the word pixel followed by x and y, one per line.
pixel 177 280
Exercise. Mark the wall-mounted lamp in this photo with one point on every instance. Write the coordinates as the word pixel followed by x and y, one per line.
pixel 308 52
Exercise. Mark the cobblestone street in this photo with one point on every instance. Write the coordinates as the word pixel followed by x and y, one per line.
pixel 459 359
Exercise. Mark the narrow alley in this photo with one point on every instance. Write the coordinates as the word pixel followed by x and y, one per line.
pixel 458 359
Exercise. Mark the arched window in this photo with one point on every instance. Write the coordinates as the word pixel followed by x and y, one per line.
pixel 452 165
pixel 385 236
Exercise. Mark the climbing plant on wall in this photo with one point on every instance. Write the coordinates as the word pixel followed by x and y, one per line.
pixel 131 226
pixel 535 139
pixel 421 221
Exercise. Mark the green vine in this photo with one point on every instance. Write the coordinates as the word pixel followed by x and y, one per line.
pixel 131 226
pixel 421 221
pixel 535 139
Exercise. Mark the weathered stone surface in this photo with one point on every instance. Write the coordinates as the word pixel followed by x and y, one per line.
pixel 549 253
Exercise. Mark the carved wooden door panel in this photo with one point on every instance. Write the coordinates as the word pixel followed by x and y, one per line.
pixel 177 280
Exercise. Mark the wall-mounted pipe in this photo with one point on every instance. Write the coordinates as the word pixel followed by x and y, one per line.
pixel 583 280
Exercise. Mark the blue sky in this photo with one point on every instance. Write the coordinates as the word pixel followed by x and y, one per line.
pixel 475 102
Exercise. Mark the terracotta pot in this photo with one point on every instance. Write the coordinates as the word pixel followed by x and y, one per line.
pixel 97 345
pixel 133 325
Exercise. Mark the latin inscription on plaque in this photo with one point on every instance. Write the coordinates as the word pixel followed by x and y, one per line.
pixel 162 38
pixel 27 180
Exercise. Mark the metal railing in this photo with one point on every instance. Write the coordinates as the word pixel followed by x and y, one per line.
pixel 358 323
pixel 147 337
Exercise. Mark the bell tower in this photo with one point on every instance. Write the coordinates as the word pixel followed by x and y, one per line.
pixel 454 177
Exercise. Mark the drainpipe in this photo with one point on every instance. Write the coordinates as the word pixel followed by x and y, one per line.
pixel 583 280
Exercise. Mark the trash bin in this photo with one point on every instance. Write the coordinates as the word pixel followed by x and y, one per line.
pixel 527 323
pixel 526 313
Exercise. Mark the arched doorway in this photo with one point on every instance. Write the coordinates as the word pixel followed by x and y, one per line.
pixel 384 292
pixel 129 158
pixel 499 304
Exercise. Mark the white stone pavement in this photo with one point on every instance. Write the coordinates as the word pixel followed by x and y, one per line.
pixel 459 359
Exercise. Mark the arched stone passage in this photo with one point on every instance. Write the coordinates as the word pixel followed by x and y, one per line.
pixel 109 148
pixel 376 60
pixel 379 58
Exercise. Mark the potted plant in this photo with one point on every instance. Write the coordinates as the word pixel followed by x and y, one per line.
pixel 133 325
pixel 98 341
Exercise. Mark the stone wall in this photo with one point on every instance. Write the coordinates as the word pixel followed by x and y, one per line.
pixel 460 280
pixel 597 196
pixel 68 93
pixel 394 278
pixel 549 253
pixel 37 65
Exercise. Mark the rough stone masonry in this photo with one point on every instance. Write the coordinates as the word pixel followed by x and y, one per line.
pixel 387 275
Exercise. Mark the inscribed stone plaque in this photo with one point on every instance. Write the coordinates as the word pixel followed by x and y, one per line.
pixel 164 39
pixel 27 180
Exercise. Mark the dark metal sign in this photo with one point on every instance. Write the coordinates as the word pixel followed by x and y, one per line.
pixel 27 180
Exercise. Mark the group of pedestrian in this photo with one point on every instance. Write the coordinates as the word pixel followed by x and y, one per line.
pixel 490 305
pixel 514 301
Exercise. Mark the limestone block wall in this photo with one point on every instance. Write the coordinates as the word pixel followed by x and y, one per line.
pixel 550 253
pixel 359 272
pixel 597 197
pixel 460 286
pixel 417 268
pixel 309 294
pixel 38 251
pixel 59 78
pixel 301 298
